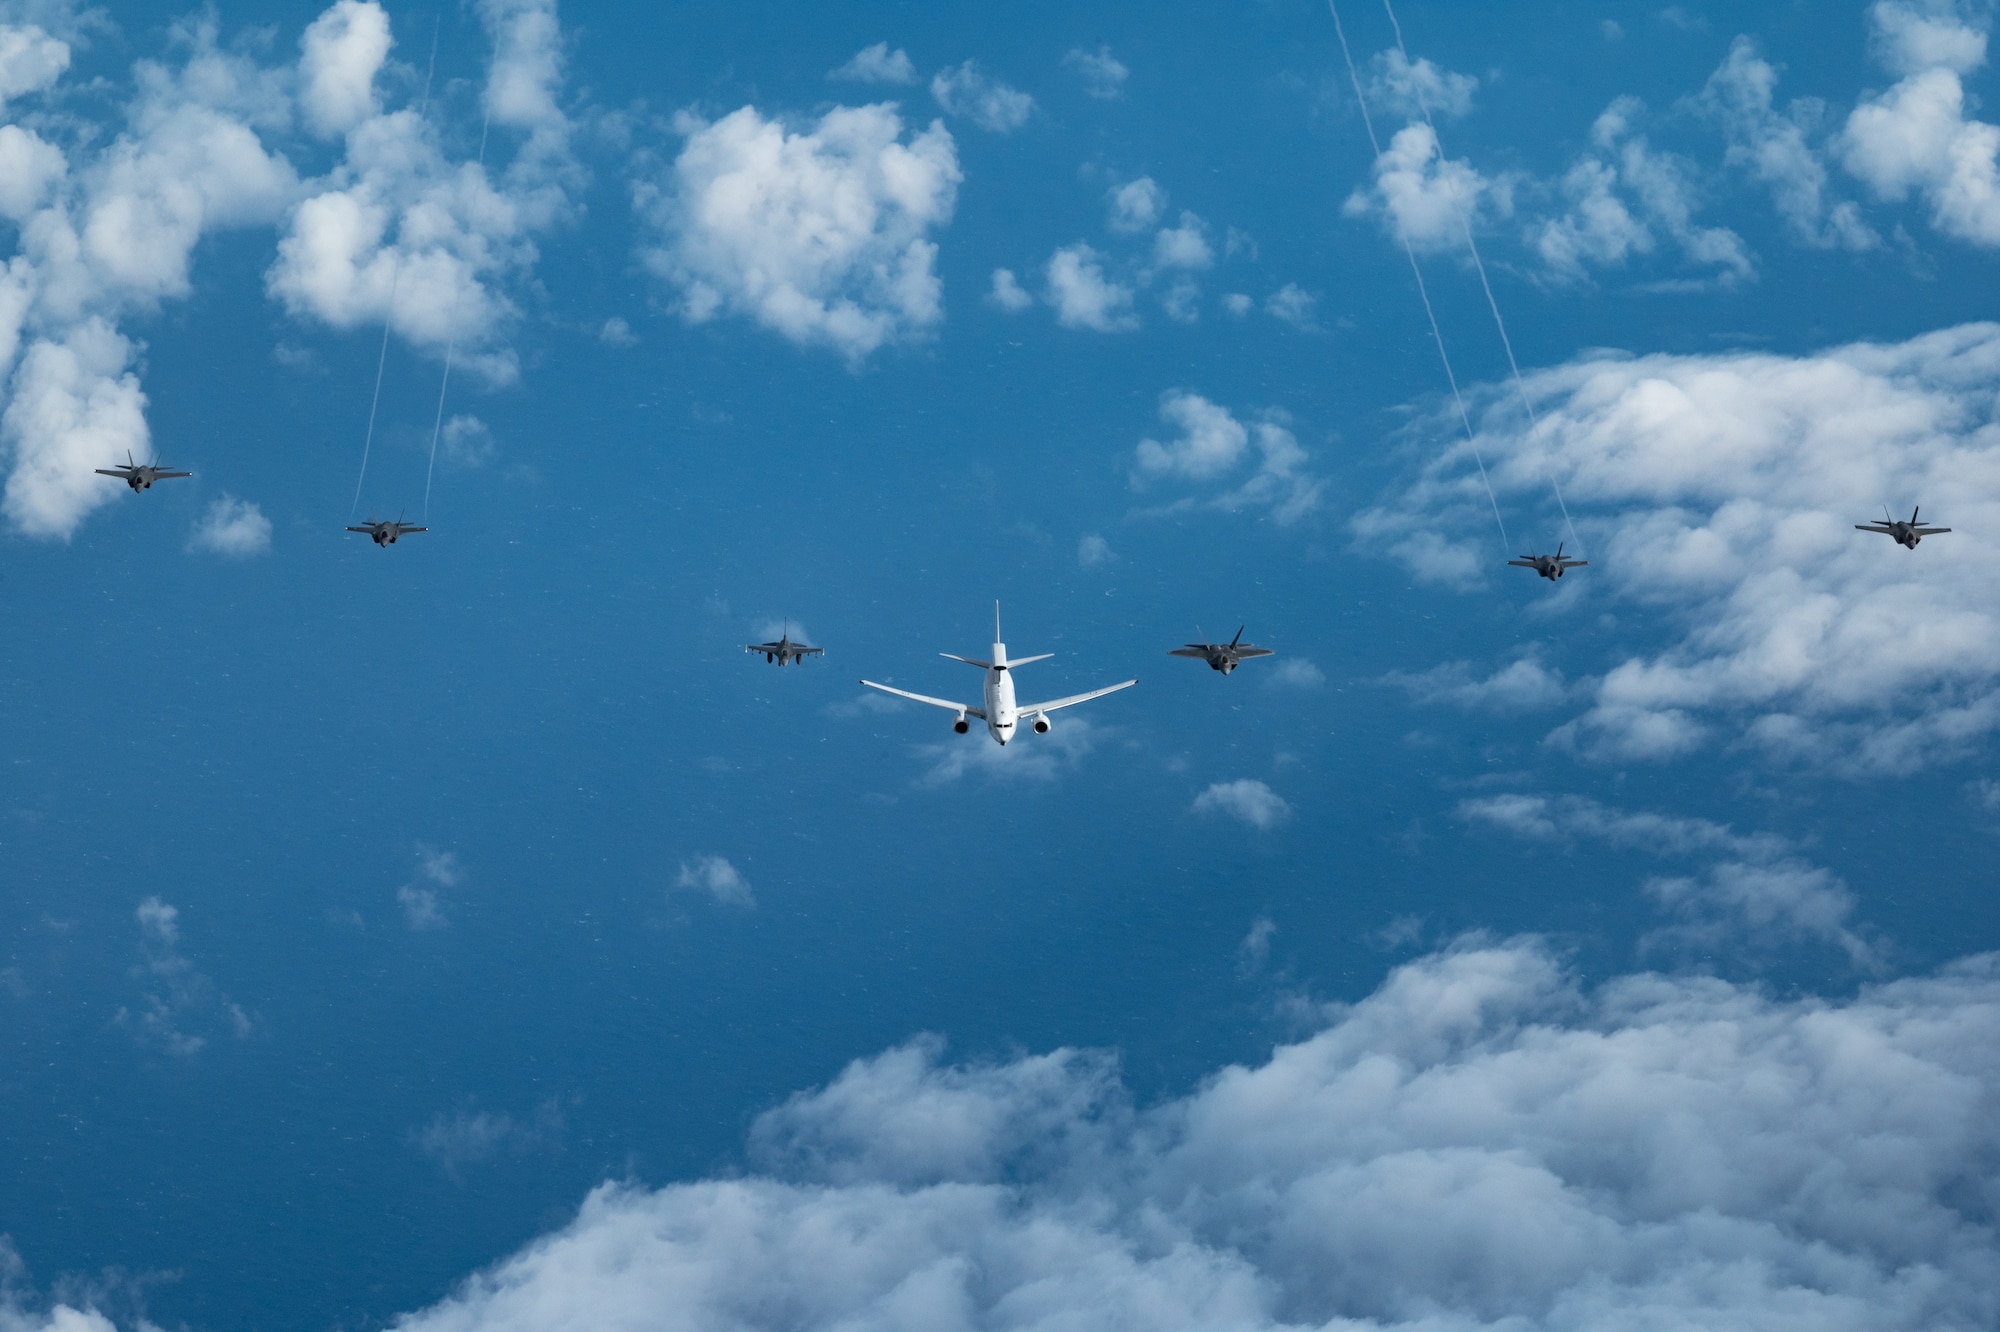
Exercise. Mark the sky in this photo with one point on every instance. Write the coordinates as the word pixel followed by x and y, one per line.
pixel 469 934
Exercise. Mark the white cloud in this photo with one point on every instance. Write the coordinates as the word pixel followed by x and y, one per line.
pixel 1621 196
pixel 468 441
pixel 1007 292
pixel 1916 137
pixel 1719 495
pixel 1481 1143
pixel 716 877
pixel 1773 148
pixel 1135 205
pixel 877 64
pixel 1212 444
pixel 1292 304
pixel 617 333
pixel 1756 888
pixel 1255 950
pixel 1185 246
pixel 1296 673
pixel 422 902
pixel 986 102
pixel 1407 90
pixel 397 232
pixel 1102 73
pixel 471 1137
pixel 180 1004
pixel 822 236
pixel 30 61
pixel 1247 800
pixel 1083 296
pixel 1523 686
pixel 1028 758
pixel 1093 550
pixel 341 53
pixel 1425 199
pixel 232 527
pixel 1238 304
pixel 30 170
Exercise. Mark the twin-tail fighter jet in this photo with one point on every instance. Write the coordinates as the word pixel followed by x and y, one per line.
pixel 1224 657
pixel 1550 567
pixel 784 652
pixel 385 532
pixel 138 475
pixel 1905 534
pixel 1001 713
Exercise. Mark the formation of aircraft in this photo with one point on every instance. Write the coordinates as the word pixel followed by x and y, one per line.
pixel 784 652
pixel 385 532
pixel 1905 534
pixel 1224 657
pixel 138 475
pixel 1001 712
pixel 1550 567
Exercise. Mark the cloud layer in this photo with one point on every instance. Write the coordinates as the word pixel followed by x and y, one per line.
pixel 1482 1143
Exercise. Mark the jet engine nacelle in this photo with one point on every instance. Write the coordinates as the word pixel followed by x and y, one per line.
pixel 961 726
pixel 1041 725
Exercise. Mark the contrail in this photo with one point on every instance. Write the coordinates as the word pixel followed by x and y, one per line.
pixel 1465 225
pixel 451 343
pixel 1422 291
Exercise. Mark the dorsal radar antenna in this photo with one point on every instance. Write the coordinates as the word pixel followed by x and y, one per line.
pixel 1479 266
pixel 1423 292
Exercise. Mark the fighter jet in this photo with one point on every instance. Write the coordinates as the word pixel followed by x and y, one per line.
pixel 1550 567
pixel 1001 713
pixel 1905 534
pixel 785 652
pixel 385 532
pixel 1224 657
pixel 138 475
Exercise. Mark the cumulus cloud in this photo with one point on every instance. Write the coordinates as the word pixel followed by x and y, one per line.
pixel 31 60
pixel 1295 673
pixel 1755 888
pixel 822 236
pixel 1916 137
pixel 1007 292
pixel 1622 197
pixel 1719 494
pixel 1135 205
pixel 1093 550
pixel 1424 198
pixel 233 527
pixel 1029 758
pixel 1774 148
pixel 1292 304
pixel 109 232
pixel 1409 90
pixel 399 233
pixel 340 54
pixel 1083 296
pixel 988 103
pixel 1185 246
pixel 1103 74
pixel 1246 800
pixel 1211 447
pixel 468 441
pixel 470 1137
pixel 422 899
pixel 716 877
pixel 1482 1142
pixel 1524 685
pixel 877 64
pixel 180 1006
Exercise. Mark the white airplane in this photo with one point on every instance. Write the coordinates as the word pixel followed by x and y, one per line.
pixel 1001 713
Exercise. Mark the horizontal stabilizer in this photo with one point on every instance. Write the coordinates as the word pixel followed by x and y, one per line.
pixel 1012 662
pixel 970 661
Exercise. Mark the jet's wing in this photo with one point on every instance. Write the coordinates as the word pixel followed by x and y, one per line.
pixel 118 472
pixel 1929 531
pixel 361 529
pixel 1246 651
pixel 162 476
pixel 1522 564
pixel 1883 528
pixel 1574 564
pixel 1189 651
pixel 1027 708
pixel 406 530
pixel 944 703
pixel 766 648
pixel 805 652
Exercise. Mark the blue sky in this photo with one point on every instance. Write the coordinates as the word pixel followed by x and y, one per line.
pixel 392 936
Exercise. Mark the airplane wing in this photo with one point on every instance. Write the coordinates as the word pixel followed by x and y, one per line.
pixel 1522 564
pixel 165 475
pixel 407 530
pixel 1929 531
pixel 766 648
pixel 945 703
pixel 1189 651
pixel 1028 708
pixel 361 529
pixel 805 652
pixel 1246 651
pixel 1883 528
pixel 1574 564
pixel 118 472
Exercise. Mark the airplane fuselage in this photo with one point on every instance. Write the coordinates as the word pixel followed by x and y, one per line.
pixel 1002 713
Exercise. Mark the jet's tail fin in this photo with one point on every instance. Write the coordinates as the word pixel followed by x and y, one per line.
pixel 1239 635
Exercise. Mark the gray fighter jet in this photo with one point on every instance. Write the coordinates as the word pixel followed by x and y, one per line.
pixel 784 652
pixel 1224 657
pixel 138 475
pixel 1550 567
pixel 385 532
pixel 1905 534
